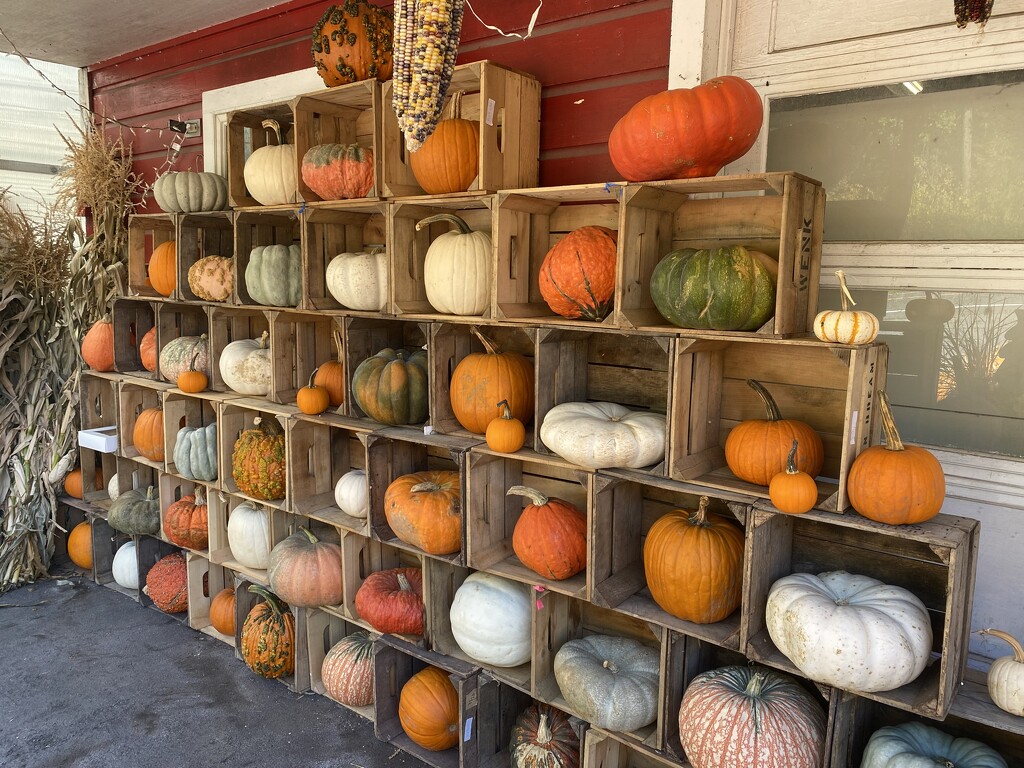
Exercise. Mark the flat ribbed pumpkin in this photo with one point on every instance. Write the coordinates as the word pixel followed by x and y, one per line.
pixel 425 509
pixel 258 460
pixel 167 583
pixel 391 387
pixel 347 671
pixel 577 276
pixel 186 521
pixel 482 380
pixel 306 572
pixel 428 709
pixel 268 636
pixel 338 171
pixel 719 289
pixel 163 269
pixel 550 536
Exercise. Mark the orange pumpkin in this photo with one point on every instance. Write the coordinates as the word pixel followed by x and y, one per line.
pixel 331 376
pixel 148 434
pixel 73 482
pixel 312 399
pixel 222 612
pixel 425 509
pixel 193 380
pixel 550 537
pixel 896 483
pixel 756 449
pixel 163 272
pixel 793 492
pixel 167 583
pixel 98 345
pixel 147 350
pixel 428 709
pixel 506 433
pixel 186 521
pixel 268 636
pixel 80 545
pixel 577 276
pixel 448 161
pixel 482 380
pixel 352 41
pixel 694 564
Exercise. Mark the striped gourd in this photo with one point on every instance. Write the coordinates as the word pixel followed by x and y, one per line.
pixel 268 636
pixel 347 671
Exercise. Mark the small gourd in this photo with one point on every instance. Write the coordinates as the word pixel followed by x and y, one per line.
pixel 793 491
pixel 846 326
pixel 193 380
pixel 1006 675
pixel 506 433
pixel 313 399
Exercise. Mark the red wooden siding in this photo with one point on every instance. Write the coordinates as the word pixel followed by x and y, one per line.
pixel 594 58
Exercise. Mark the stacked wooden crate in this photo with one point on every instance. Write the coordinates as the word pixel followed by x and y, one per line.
pixel 633 357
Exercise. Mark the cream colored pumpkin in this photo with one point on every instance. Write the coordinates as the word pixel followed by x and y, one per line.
pixel 212 278
pixel 245 366
pixel 190 192
pixel 249 535
pixel 849 631
pixel 491 619
pixel 114 487
pixel 611 682
pixel 846 326
pixel 273 276
pixel 352 495
pixel 1006 676
pixel 271 172
pixel 601 435
pixel 457 268
pixel 359 280
pixel 125 566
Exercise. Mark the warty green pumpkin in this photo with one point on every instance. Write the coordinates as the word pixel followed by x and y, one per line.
pixel 258 460
pixel 195 452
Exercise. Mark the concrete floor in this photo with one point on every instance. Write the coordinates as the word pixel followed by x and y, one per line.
pixel 91 678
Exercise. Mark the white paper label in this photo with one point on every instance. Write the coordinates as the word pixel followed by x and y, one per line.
pixel 489 119
pixel 427 429
pixel 855 427
pixel 467 732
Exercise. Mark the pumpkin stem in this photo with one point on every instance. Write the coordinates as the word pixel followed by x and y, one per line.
pixel 271 427
pixel 192 365
pixel 200 496
pixel 506 412
pixel 700 515
pixel 106 319
pixel 275 127
pixel 312 376
pixel 151 493
pixel 337 343
pixel 536 497
pixel 893 442
pixel 264 339
pixel 453 110
pixel 845 292
pixel 425 487
pixel 403 583
pixel 309 534
pixel 543 730
pixel 610 666
pixel 488 344
pixel 1018 651
pixel 791 460
pixel 451 218
pixel 774 414
pixel 753 689
pixel 276 604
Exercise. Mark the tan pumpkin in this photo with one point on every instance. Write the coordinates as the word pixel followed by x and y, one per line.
pixel 148 434
pixel 347 671
pixel 212 278
pixel 425 509
pixel 305 571
pixel 271 172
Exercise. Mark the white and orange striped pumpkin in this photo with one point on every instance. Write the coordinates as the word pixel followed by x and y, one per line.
pixel 347 671
pixel 846 326
pixel 742 715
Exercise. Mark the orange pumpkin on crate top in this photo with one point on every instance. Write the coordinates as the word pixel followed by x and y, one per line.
pixel 577 276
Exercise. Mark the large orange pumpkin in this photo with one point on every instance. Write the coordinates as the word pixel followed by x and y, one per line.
pixel 268 636
pixel 353 41
pixel 896 483
pixel 306 572
pixel 577 276
pixel 756 449
pixel 482 380
pixel 163 269
pixel 550 537
pixel 222 612
pixel 186 521
pixel 98 345
pixel 391 601
pixel 331 376
pixel 686 133
pixel 147 350
pixel 80 545
pixel 694 564
pixel 425 509
pixel 449 159
pixel 428 709
pixel 148 435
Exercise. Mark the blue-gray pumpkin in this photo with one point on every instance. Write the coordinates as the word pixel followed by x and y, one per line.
pixel 195 452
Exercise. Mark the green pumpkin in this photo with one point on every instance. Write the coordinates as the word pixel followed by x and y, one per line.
pixel 914 743
pixel 391 387
pixel 274 275
pixel 718 289
pixel 195 452
pixel 136 512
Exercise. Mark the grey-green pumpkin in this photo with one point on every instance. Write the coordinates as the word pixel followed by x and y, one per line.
pixel 195 452
pixel 178 354
pixel 718 289
pixel 274 275
pixel 189 192
pixel 136 512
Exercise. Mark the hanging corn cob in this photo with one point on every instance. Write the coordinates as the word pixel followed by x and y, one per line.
pixel 426 45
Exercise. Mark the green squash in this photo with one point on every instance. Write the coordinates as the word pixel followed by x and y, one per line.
pixel 136 512
pixel 719 289
pixel 915 744
pixel 391 387
pixel 274 275
pixel 195 452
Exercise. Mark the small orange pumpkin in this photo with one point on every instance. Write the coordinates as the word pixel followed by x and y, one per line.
pixel 425 509
pixel 577 276
pixel 80 545
pixel 147 350
pixel 222 612
pixel 331 375
pixel 73 482
pixel 448 161
pixel 148 434
pixel 193 380
pixel 482 380
pixel 428 709
pixel 98 345
pixel 163 272
pixel 550 537
pixel 506 433
pixel 793 492
pixel 312 399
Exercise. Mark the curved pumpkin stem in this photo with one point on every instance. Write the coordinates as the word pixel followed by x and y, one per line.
pixel 893 441
pixel 489 345
pixel 536 497
pixel 453 110
pixel 309 534
pixel 847 299
pixel 1018 651
pixel 277 605
pixel 791 460
pixel 192 365
pixel 753 689
pixel 770 407
pixel 312 376
pixel 271 427
pixel 275 127
pixel 403 583
pixel 506 412
pixel 451 218
pixel 336 335
pixel 700 515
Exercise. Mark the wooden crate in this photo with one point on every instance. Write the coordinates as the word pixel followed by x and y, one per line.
pixel 97 408
pixel 133 319
pixel 408 247
pixel 344 114
pixel 221 507
pixel 259 228
pixel 228 324
pixel 330 229
pixel 205 581
pixel 603 749
pixel 505 104
pixel 935 560
pixel 395 451
pixel 624 509
pixel 324 449
pixel 779 214
pixel 361 556
pixel 135 475
pixel 450 343
pixel 365 337
pixel 245 601
pixel 149 550
pixel 395 662
pixel 831 387
pixel 145 233
pixel 70 515
pixel 246 134
pixel 175 319
pixel 574 365
pixel 498 707
pixel 560 619
pixel 173 489
pixel 105 543
pixel 491 515
pixel 300 342
pixel 529 223
pixel 201 235
pixel 239 415
pixel 180 411
pixel 133 398
pixel 322 631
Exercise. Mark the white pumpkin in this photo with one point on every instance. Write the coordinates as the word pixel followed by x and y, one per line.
pixel 249 535
pixel 359 280
pixel 916 745
pixel 273 276
pixel 601 435
pixel 457 268
pixel 125 566
pixel 491 619
pixel 1006 676
pixel 611 682
pixel 352 495
pixel 271 172
pixel 245 366
pixel 849 631
pixel 189 192
pixel 112 490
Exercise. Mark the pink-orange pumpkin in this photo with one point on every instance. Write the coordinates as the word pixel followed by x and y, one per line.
pixel 347 671
pixel 338 171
